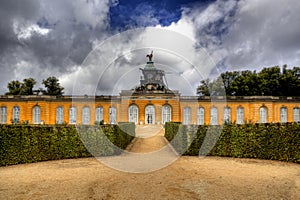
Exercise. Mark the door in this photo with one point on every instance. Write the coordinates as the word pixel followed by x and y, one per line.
pixel 150 115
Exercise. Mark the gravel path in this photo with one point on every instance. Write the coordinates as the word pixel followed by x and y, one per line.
pixel 186 178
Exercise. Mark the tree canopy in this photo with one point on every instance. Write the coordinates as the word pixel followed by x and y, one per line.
pixel 16 87
pixel 269 81
pixel 52 86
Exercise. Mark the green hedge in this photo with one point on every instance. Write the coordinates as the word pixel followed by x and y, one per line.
pixel 27 144
pixel 262 141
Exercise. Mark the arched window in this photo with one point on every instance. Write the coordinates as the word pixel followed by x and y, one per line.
pixel 72 115
pixel 3 114
pixel 200 116
pixel 16 114
pixel 112 115
pixel 187 115
pixel 99 114
pixel 283 114
pixel 36 115
pixel 263 115
pixel 296 112
pixel 133 114
pixel 166 114
pixel 214 116
pixel 150 114
pixel 60 115
pixel 240 115
pixel 86 115
pixel 227 115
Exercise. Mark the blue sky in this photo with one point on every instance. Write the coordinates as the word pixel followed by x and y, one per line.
pixel 126 13
pixel 41 38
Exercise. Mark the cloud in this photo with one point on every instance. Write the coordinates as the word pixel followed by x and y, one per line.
pixel 48 38
pixel 53 38
pixel 248 34
pixel 265 33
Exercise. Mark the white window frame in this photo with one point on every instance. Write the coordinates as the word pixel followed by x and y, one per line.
pixel 86 115
pixel 99 114
pixel 59 115
pixel 72 115
pixel 187 115
pixel 3 114
pixel 296 114
pixel 240 115
pixel 36 115
pixel 166 114
pixel 283 114
pixel 16 114
pixel 213 116
pixel 133 114
pixel 227 114
pixel 113 115
pixel 200 116
pixel 263 114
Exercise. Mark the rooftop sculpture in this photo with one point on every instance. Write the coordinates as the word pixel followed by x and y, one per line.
pixel 150 56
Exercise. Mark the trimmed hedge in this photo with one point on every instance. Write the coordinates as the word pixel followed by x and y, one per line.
pixel 27 144
pixel 263 141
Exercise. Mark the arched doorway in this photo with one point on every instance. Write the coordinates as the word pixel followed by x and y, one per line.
pixel 150 114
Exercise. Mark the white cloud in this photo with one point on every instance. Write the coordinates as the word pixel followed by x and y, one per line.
pixel 265 33
pixel 24 33
pixel 256 33
pixel 233 34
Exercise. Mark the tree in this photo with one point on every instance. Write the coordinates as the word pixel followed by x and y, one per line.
pixel 269 81
pixel 203 88
pixel 21 88
pixel 27 86
pixel 52 87
pixel 14 88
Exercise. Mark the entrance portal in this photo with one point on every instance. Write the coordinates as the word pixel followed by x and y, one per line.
pixel 150 115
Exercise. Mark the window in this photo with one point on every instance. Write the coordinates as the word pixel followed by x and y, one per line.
pixel 214 116
pixel 150 114
pixel 133 114
pixel 227 115
pixel 240 115
pixel 187 115
pixel 60 115
pixel 99 114
pixel 283 114
pixel 263 115
pixel 112 115
pixel 86 115
pixel 72 115
pixel 16 114
pixel 296 114
pixel 200 116
pixel 3 113
pixel 36 115
pixel 166 114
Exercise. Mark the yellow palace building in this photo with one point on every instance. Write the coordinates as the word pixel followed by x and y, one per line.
pixel 149 103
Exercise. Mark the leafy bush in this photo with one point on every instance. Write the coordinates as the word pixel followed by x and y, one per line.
pixel 263 141
pixel 27 144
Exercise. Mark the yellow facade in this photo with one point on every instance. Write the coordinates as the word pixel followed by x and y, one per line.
pixel 275 109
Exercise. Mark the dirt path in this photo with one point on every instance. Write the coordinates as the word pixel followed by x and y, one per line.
pixel 187 178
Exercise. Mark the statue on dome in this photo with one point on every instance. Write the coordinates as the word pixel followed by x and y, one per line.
pixel 150 56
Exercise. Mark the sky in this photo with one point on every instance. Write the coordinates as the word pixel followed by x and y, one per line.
pixel 98 46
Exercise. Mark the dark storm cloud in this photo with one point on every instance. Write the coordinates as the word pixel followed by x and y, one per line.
pixel 41 38
pixel 46 38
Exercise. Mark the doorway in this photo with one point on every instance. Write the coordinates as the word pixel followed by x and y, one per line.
pixel 150 115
